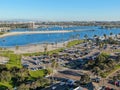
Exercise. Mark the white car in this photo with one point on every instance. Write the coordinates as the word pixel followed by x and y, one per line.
pixel 54 87
pixel 62 83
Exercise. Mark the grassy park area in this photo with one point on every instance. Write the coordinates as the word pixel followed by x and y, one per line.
pixel 38 73
pixel 14 59
pixel 74 42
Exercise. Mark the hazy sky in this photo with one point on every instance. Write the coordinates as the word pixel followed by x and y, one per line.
pixel 54 10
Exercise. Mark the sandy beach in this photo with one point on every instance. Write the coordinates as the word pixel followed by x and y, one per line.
pixel 3 60
pixel 33 32
pixel 32 48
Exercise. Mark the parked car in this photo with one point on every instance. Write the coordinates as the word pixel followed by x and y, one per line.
pixel 54 87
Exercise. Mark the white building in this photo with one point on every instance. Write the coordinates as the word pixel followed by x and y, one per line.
pixel 4 29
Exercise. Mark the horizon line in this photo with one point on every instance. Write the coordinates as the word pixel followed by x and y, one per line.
pixel 24 20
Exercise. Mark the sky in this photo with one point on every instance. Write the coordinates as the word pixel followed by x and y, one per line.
pixel 61 10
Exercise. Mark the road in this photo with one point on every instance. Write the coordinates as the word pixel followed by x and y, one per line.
pixel 58 87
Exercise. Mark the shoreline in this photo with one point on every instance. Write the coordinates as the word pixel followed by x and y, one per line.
pixel 33 32
pixel 37 47
pixel 34 48
pixel 40 32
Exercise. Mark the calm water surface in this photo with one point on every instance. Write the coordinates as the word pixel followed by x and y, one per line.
pixel 25 39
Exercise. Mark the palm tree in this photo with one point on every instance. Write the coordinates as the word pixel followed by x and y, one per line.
pixel 17 47
pixel 118 58
pixel 105 36
pixel 72 37
pixel 52 44
pixel 78 36
pixel 111 63
pixel 101 45
pixel 95 36
pixel 111 34
pixel 97 40
pixel 49 71
pixel 56 43
pixel 45 48
pixel 54 65
pixel 86 37
pixel 116 36
pixel 96 70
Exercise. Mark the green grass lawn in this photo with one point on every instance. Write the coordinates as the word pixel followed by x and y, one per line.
pixel 74 42
pixel 14 59
pixel 36 74
pixel 55 51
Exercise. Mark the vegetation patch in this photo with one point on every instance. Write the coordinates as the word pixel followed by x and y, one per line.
pixel 38 73
pixel 1 33
pixel 74 42
pixel 14 59
pixel 41 53
pixel 5 85
pixel 106 74
pixel 21 78
pixel 104 65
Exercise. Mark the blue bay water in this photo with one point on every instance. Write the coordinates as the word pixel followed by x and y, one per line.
pixel 25 39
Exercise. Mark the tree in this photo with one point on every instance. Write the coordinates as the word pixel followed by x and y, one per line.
pixel 100 59
pixel 105 36
pixel 85 79
pixel 42 82
pixel 72 37
pixel 23 87
pixel 3 67
pixel 115 78
pixel 95 36
pixel 45 48
pixel 97 40
pixel 86 37
pixel 23 73
pixel 49 71
pixel 78 36
pixel 111 34
pixel 5 76
pixel 103 66
pixel 54 65
pixel 96 70
pixel 118 58
pixel 56 43
pixel 39 83
pixel 101 45
pixel 111 63
pixel 17 47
